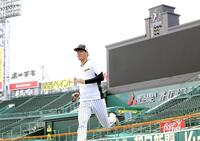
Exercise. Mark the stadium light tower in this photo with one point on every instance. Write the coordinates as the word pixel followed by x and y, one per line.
pixel 8 9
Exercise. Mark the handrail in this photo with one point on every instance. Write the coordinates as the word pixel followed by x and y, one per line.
pixel 115 128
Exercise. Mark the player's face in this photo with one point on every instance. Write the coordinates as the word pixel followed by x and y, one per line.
pixel 82 55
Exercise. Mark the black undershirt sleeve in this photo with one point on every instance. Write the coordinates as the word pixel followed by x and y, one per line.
pixel 96 79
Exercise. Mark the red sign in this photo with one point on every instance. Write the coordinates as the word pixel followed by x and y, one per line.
pixel 175 125
pixel 24 85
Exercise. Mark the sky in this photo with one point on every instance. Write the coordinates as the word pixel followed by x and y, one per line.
pixel 48 30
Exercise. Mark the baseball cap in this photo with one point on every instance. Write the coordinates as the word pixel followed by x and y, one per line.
pixel 81 47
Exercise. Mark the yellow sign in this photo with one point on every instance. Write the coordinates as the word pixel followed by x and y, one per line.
pixel 56 85
pixel 125 111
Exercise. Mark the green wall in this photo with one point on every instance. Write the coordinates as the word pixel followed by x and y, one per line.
pixel 150 97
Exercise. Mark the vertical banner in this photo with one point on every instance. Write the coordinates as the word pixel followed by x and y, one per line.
pixel 1 68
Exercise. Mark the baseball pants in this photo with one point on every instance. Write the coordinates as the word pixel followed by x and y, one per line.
pixel 86 109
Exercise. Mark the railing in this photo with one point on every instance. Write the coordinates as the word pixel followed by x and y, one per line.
pixel 23 129
pixel 20 129
pixel 116 131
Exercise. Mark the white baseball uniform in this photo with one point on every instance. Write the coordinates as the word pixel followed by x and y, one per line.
pixel 90 100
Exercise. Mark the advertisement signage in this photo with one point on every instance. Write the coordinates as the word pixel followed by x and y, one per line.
pixel 57 85
pixel 10 8
pixel 24 85
pixel 188 135
pixel 175 125
pixel 150 97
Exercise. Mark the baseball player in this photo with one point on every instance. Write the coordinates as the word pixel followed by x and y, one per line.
pixel 91 102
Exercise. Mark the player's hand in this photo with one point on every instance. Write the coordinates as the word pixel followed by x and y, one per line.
pixel 75 96
pixel 79 81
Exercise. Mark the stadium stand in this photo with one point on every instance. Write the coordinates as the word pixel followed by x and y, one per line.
pixel 30 115
pixel 56 103
pixel 15 101
pixel 27 114
pixel 181 105
pixel 18 123
pixel 36 102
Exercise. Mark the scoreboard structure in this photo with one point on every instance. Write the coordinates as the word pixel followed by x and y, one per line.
pixel 167 54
